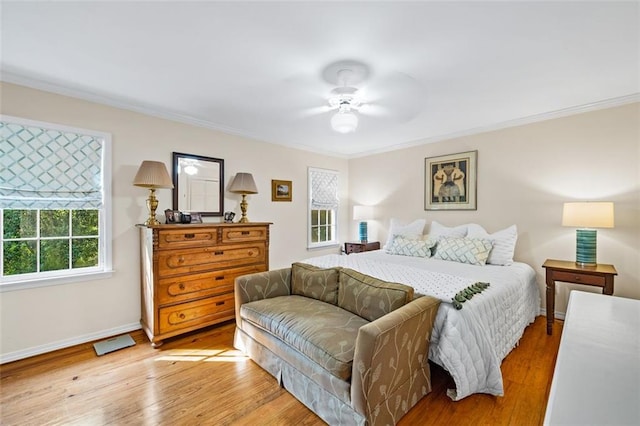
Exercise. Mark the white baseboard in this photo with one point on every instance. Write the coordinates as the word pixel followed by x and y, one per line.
pixel 61 344
pixel 556 314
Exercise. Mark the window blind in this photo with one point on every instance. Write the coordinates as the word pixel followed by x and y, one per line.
pixel 324 189
pixel 44 168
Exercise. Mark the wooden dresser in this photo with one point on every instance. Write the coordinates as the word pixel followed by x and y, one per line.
pixel 188 272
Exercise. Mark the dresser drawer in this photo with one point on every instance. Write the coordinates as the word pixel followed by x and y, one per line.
pixel 196 314
pixel 577 278
pixel 176 238
pixel 209 258
pixel 241 234
pixel 194 286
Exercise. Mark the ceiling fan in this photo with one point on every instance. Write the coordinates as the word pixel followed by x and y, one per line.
pixel 351 98
pixel 345 99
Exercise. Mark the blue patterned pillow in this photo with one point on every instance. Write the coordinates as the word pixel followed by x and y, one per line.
pixel 464 250
pixel 411 247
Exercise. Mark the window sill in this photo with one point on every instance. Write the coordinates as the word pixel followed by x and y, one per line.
pixel 45 282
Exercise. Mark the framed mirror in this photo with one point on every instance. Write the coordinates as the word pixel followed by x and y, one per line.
pixel 198 184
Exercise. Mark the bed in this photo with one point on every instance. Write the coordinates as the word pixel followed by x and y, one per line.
pixel 471 342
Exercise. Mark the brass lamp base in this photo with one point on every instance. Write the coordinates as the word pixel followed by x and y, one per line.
pixel 152 205
pixel 243 207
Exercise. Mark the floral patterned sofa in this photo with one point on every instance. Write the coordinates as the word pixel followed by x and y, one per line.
pixel 350 347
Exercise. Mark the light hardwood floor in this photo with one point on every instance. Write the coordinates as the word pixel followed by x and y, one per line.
pixel 199 379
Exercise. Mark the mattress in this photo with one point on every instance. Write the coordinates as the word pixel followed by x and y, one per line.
pixel 470 343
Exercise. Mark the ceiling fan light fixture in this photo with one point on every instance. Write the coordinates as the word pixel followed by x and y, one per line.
pixel 344 122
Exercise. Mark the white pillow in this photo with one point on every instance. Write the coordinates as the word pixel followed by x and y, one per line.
pixel 411 247
pixel 504 243
pixel 438 231
pixel 413 230
pixel 474 251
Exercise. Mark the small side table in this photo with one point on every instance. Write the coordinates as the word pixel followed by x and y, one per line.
pixel 360 247
pixel 600 275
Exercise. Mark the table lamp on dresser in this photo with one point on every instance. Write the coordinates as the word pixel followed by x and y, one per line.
pixel 244 184
pixel 152 175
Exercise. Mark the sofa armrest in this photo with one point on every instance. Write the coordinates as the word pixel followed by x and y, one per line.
pixel 261 285
pixel 390 359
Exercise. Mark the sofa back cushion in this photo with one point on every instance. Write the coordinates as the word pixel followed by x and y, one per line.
pixel 316 283
pixel 369 297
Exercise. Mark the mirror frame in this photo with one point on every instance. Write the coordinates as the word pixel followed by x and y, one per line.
pixel 176 188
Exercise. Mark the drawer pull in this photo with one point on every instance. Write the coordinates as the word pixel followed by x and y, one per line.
pixel 218 253
pixel 577 278
pixel 182 316
pixel 189 235
pixel 181 286
pixel 220 278
pixel 181 259
pixel 245 232
pixel 219 303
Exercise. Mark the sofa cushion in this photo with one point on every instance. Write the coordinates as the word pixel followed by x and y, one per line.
pixel 316 283
pixel 369 297
pixel 321 331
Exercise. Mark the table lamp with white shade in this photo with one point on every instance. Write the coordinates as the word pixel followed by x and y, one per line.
pixel 587 216
pixel 363 214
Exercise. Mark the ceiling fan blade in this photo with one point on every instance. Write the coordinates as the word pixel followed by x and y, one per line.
pixel 400 94
pixel 304 95
pixel 309 112
pixel 374 110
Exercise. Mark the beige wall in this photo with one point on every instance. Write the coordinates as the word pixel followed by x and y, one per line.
pixel 39 319
pixel 525 174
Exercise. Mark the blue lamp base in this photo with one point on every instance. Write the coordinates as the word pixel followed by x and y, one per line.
pixel 363 232
pixel 586 241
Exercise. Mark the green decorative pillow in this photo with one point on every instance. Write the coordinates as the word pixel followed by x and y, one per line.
pixel 369 297
pixel 474 251
pixel 411 247
pixel 316 283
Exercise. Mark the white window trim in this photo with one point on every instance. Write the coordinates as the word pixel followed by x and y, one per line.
pixel 324 244
pixel 20 282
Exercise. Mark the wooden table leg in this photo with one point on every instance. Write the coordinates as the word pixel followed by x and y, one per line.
pixel 551 301
pixel 608 285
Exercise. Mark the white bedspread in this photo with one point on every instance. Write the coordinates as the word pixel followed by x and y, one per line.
pixel 472 342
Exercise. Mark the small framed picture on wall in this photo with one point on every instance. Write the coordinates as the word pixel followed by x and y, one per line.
pixel 281 190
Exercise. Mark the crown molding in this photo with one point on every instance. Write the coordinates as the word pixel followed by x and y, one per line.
pixel 127 104
pixel 594 106
pixel 113 101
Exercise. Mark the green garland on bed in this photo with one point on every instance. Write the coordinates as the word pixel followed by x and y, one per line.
pixel 467 294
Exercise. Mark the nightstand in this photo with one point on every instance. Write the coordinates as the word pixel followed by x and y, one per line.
pixel 360 247
pixel 600 275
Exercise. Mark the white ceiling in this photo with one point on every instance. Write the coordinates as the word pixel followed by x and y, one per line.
pixel 440 69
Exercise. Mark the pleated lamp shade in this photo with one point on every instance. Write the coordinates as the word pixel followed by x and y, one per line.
pixel 243 183
pixel 153 174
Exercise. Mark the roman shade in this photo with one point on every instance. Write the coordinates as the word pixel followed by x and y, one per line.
pixel 324 189
pixel 43 168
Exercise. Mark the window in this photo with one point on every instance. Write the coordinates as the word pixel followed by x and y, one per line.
pixel 323 207
pixel 54 204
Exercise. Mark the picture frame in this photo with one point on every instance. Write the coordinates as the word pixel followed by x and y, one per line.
pixel 281 190
pixel 196 217
pixel 450 181
pixel 172 216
